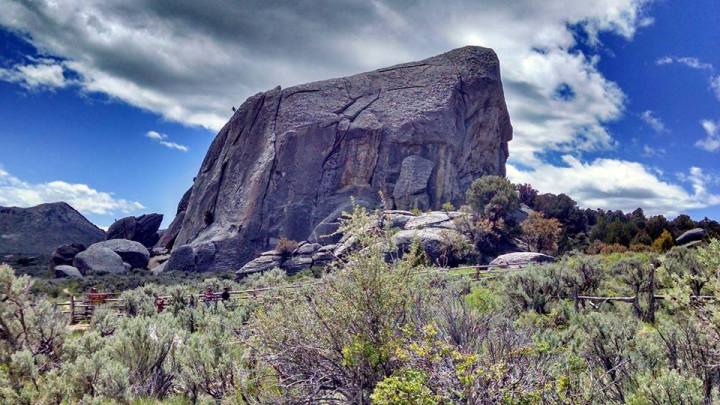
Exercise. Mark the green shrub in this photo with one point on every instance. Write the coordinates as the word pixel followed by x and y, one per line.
pixel 493 197
pixel 407 387
pixel 664 242
pixel 666 386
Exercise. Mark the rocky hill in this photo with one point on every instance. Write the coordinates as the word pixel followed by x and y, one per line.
pixel 289 160
pixel 40 229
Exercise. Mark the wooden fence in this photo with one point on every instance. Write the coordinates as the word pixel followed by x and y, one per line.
pixel 80 308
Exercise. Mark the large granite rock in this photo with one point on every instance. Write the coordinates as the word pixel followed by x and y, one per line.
pixel 64 254
pixel 167 239
pixel 41 229
pixel 441 246
pixel 520 259
pixel 143 229
pixel 692 235
pixel 100 260
pixel 418 132
pixel 131 252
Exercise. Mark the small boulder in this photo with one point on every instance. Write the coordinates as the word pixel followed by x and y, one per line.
pixel 99 260
pixel 398 219
pixel 520 259
pixel 63 270
pixel 134 253
pixel 64 254
pixel 434 219
pixel 435 242
pixel 692 235
pixel 297 264
pixel 323 257
pixel 182 258
pixel 307 249
pixel 259 265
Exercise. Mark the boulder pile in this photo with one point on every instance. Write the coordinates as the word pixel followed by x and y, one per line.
pixel 434 232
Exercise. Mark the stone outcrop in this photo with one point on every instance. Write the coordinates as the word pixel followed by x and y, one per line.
pixel 520 259
pixel 100 260
pixel 65 271
pixel 41 229
pixel 64 255
pixel 289 160
pixel 131 252
pixel 692 235
pixel 434 231
pixel 142 229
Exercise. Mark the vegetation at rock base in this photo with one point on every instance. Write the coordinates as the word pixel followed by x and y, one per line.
pixel 541 234
pixel 378 331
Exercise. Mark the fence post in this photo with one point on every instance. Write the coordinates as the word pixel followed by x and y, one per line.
pixel 72 310
pixel 650 313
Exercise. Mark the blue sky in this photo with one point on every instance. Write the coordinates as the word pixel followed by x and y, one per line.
pixel 111 105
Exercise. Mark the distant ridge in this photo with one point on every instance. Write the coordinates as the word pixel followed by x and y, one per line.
pixel 40 229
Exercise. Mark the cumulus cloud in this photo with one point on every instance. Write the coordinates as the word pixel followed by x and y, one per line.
pixel 164 140
pixel 43 74
pixel 653 121
pixel 689 61
pixel 191 61
pixel 711 142
pixel 618 184
pixel 18 193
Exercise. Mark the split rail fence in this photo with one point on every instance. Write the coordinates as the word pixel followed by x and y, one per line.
pixel 80 308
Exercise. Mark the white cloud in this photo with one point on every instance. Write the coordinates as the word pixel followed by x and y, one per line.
pixel 711 142
pixel 618 184
pixel 164 140
pixel 191 61
pixel 649 151
pixel 689 61
pixel 653 121
pixel 45 74
pixel 231 50
pixel 715 85
pixel 18 193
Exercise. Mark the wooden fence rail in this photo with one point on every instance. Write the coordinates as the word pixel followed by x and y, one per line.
pixel 81 308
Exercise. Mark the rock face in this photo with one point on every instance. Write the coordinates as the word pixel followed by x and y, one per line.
pixel 41 229
pixel 167 240
pixel 290 159
pixel 143 229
